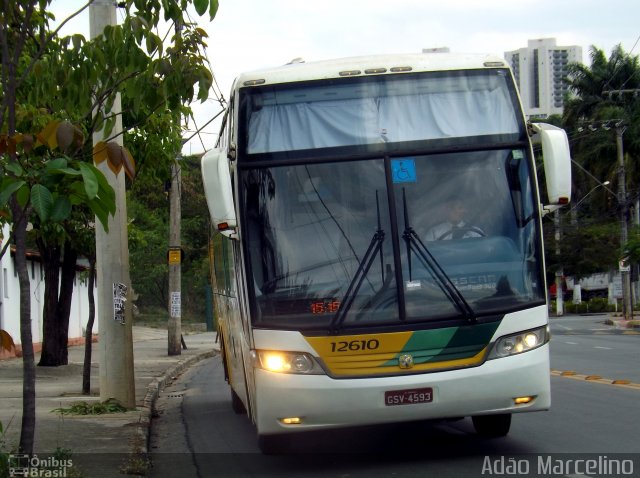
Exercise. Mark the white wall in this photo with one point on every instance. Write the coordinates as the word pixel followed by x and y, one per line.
pixel 10 299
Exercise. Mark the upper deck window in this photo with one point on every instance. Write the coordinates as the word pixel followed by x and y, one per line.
pixel 380 113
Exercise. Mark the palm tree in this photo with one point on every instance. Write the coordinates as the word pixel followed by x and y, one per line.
pixel 595 90
pixel 605 91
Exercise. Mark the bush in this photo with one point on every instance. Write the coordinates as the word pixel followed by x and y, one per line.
pixel 596 305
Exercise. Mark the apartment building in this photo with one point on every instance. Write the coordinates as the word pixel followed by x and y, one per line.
pixel 540 70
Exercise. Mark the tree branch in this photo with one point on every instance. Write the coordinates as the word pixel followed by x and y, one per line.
pixel 50 37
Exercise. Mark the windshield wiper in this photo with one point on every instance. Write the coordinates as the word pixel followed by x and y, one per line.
pixel 375 247
pixel 415 244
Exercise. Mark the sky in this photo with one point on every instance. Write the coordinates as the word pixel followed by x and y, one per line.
pixel 252 34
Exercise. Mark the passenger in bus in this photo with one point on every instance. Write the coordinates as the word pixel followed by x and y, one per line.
pixel 455 226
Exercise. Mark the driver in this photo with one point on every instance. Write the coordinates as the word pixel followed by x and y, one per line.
pixel 455 226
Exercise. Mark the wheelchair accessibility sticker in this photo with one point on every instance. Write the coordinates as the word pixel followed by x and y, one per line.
pixel 403 170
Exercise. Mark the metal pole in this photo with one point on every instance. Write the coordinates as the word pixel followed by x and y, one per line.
pixel 175 258
pixel 112 262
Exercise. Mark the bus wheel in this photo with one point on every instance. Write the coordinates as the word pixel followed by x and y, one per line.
pixel 236 404
pixel 273 444
pixel 492 426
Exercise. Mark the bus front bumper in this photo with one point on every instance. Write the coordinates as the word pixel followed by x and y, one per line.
pixel 318 401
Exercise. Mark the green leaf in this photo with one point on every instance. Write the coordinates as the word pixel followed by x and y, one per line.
pixel 61 209
pixel 42 201
pixel 106 192
pixel 15 168
pixel 109 124
pixel 78 40
pixel 23 195
pixel 100 212
pixel 58 163
pixel 201 6
pixel 8 190
pixel 151 44
pixel 90 180
pixel 67 171
pixel 213 9
pixel 203 88
pixel 77 194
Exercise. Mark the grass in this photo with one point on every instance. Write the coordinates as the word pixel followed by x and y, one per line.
pixel 97 408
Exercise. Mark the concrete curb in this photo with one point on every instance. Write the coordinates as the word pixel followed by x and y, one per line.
pixel 140 445
pixel 623 324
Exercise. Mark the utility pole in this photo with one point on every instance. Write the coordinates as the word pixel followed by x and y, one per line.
pixel 175 259
pixel 559 271
pixel 174 326
pixel 627 308
pixel 623 204
pixel 112 260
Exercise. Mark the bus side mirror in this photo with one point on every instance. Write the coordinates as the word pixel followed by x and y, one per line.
pixel 218 192
pixel 557 164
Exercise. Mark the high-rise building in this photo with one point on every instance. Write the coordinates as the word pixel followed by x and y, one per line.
pixel 540 70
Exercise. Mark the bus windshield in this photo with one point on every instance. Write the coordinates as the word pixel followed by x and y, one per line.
pixel 410 235
pixel 320 235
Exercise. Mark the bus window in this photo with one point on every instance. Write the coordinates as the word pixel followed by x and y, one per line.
pixel 223 266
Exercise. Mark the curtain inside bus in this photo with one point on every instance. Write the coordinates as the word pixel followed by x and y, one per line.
pixel 388 110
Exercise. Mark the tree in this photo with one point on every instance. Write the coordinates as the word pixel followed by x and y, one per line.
pixel 148 233
pixel 51 87
pixel 27 166
pixel 602 96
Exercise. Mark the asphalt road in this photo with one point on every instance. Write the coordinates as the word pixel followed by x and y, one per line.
pixel 586 345
pixel 197 434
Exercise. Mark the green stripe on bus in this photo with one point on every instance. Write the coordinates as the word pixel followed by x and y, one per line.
pixel 437 345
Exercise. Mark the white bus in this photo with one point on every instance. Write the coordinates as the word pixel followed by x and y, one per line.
pixel 337 302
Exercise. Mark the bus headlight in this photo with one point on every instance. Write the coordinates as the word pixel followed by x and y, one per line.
pixel 286 362
pixel 521 342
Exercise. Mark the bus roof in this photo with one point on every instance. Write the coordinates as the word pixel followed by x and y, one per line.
pixel 298 70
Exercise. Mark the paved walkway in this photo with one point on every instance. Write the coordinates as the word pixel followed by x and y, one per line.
pixel 100 445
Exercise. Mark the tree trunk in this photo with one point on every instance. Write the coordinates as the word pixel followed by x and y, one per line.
pixel 19 219
pixel 28 427
pixel 65 300
pixel 58 295
pixel 86 371
pixel 50 257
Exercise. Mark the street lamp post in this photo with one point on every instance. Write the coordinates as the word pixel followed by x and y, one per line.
pixel 606 183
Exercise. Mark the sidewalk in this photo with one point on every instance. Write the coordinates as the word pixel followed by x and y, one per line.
pixel 100 445
pixel 609 318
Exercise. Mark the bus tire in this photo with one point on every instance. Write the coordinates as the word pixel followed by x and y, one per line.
pixel 273 444
pixel 236 404
pixel 492 426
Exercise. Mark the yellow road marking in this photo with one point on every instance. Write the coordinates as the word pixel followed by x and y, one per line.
pixel 596 379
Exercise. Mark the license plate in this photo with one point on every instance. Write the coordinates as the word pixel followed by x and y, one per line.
pixel 408 397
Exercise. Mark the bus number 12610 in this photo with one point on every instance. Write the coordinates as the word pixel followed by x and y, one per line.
pixel 355 345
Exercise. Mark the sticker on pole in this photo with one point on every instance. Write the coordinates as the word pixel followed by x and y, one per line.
pixel 176 304
pixel 119 299
pixel 624 265
pixel 175 256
